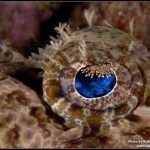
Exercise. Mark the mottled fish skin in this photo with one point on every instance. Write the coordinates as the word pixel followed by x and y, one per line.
pixel 141 56
pixel 101 43
pixel 24 122
pixel 11 61
pixel 98 123
pixel 68 55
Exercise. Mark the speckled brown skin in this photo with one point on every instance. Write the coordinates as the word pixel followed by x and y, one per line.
pixel 141 56
pixel 118 14
pixel 123 134
pixel 23 119
pixel 102 43
pixel 12 61
pixel 60 62
pixel 25 124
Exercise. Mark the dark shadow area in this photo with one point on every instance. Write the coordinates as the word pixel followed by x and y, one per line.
pixel 60 15
pixel 47 28
pixel 29 77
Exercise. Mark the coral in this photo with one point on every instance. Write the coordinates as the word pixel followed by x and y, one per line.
pixel 20 22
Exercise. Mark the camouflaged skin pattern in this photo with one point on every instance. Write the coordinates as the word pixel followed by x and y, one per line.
pixel 23 119
pixel 102 43
pixel 24 122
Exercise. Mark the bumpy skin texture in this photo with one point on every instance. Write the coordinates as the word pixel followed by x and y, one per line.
pixel 24 122
pixel 23 119
pixel 121 135
pixel 102 43
pixel 67 58
pixel 118 14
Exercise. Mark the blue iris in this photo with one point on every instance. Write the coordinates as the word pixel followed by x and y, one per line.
pixel 94 87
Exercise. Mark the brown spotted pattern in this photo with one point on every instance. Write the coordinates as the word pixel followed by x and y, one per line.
pixel 24 120
pixel 101 43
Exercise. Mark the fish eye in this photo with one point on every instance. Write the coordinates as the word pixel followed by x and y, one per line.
pixel 97 86
pixel 82 82
pixel 91 82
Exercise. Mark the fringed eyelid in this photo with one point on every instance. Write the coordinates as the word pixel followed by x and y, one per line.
pixel 65 35
pixel 131 24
